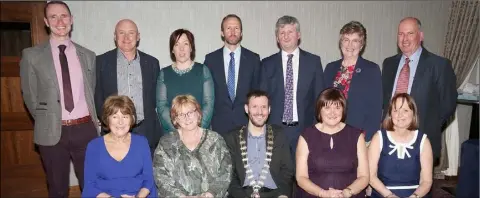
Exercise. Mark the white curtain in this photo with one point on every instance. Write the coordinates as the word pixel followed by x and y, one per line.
pixel 458 131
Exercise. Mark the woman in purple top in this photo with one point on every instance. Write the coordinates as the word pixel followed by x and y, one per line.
pixel 119 163
pixel 331 155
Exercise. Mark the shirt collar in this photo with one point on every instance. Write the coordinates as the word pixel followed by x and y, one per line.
pixel 226 50
pixel 295 53
pixel 55 43
pixel 120 54
pixel 415 56
pixel 257 137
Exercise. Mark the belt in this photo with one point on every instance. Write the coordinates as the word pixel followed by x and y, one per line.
pixel 290 124
pixel 76 121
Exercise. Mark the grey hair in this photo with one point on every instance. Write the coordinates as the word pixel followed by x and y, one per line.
pixel 417 21
pixel 285 20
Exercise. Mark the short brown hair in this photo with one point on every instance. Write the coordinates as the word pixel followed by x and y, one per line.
pixel 354 27
pixel 327 96
pixel 388 123
pixel 180 101
pixel 121 103
pixel 55 3
pixel 174 38
pixel 231 16
pixel 351 28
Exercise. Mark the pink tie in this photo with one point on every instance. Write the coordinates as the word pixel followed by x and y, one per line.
pixel 402 83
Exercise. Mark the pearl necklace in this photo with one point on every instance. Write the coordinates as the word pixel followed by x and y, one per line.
pixel 256 185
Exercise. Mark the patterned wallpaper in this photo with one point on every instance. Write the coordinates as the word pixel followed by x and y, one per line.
pixel 320 22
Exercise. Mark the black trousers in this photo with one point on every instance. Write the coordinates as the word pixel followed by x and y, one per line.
pixel 56 159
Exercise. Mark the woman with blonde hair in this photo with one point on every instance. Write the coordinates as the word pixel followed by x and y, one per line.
pixel 191 161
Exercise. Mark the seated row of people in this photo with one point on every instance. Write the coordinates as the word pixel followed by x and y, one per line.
pixel 332 159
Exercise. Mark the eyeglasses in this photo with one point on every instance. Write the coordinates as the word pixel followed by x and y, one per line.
pixel 188 114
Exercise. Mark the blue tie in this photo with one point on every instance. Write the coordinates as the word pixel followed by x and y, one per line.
pixel 231 77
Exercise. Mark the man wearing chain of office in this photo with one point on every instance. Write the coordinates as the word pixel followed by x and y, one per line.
pixel 261 161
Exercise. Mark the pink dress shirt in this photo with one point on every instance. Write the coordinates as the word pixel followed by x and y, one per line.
pixel 76 77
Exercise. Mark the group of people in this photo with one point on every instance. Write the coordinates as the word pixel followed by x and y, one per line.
pixel 236 125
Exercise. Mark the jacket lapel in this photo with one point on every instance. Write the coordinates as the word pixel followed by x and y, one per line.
pixel 112 75
pixel 390 75
pixel 242 74
pixel 356 75
pixel 144 67
pixel 49 65
pixel 421 68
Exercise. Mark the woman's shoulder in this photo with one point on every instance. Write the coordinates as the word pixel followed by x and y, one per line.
pixel 96 142
pixel 213 135
pixel 353 130
pixel 167 140
pixel 138 138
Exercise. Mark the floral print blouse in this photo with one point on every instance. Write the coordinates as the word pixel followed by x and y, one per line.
pixel 343 79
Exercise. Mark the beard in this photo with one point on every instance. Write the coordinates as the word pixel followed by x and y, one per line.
pixel 257 123
pixel 234 41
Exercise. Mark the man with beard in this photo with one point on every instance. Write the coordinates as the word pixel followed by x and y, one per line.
pixel 128 71
pixel 261 161
pixel 235 71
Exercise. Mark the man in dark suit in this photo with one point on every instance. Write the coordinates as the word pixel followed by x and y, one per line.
pixel 128 71
pixel 428 78
pixel 293 78
pixel 261 152
pixel 235 71
pixel 58 80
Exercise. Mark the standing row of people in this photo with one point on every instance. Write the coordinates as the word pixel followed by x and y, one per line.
pixel 65 106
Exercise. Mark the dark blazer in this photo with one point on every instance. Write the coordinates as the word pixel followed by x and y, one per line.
pixel 228 114
pixel 107 85
pixel 364 103
pixel 281 166
pixel 433 89
pixel 310 84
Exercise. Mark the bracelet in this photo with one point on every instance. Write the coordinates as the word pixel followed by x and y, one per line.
pixel 349 191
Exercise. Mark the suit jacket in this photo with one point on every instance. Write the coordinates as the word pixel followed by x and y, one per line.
pixel 228 114
pixel 310 84
pixel 364 103
pixel 433 89
pixel 41 90
pixel 281 166
pixel 107 85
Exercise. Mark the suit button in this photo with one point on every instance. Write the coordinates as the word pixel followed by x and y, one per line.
pixel 58 101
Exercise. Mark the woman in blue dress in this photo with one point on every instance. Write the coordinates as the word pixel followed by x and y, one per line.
pixel 400 156
pixel 119 163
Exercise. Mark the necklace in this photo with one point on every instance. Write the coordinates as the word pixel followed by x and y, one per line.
pixel 181 71
pixel 256 185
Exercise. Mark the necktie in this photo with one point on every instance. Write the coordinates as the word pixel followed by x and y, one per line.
pixel 231 77
pixel 288 105
pixel 402 82
pixel 67 86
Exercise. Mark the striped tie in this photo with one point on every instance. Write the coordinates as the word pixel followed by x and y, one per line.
pixel 402 83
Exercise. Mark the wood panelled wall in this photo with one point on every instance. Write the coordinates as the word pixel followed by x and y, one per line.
pixel 22 173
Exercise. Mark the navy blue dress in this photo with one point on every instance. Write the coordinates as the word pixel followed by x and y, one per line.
pixel 105 174
pixel 399 164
